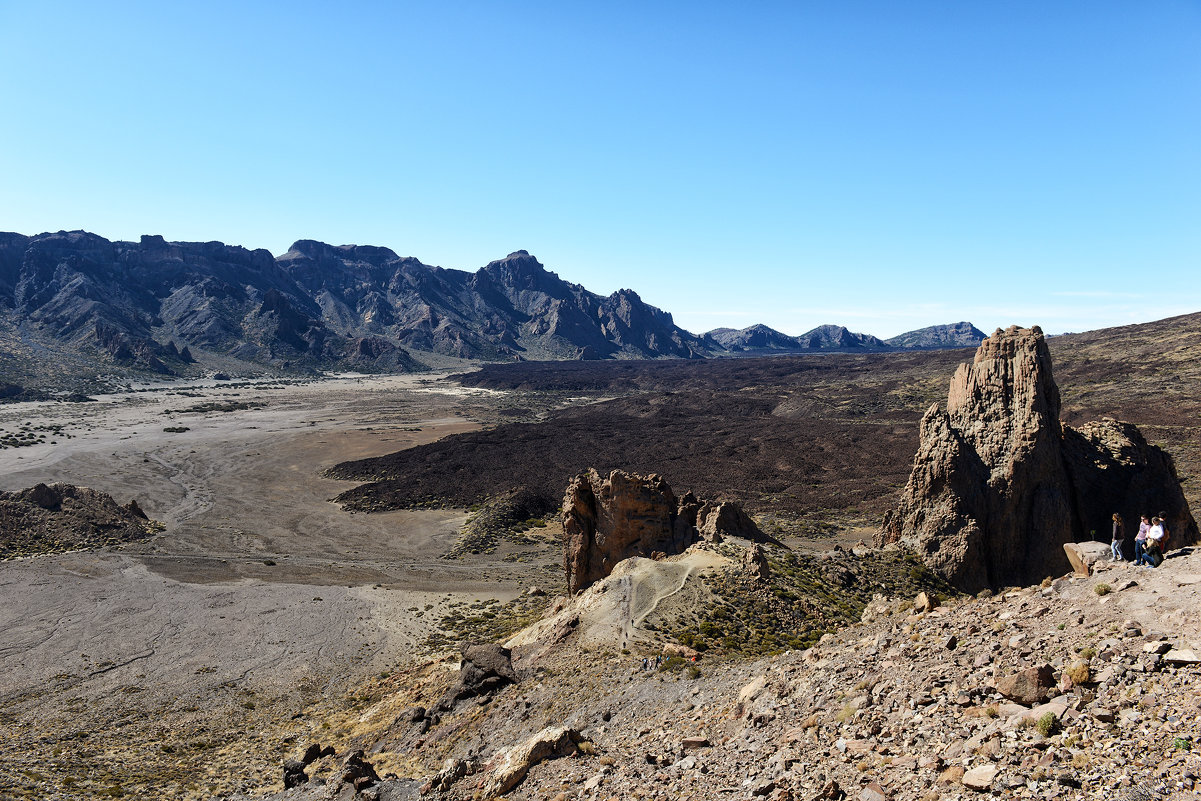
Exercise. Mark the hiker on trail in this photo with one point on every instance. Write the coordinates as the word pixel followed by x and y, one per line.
pixel 1119 537
pixel 1153 553
pixel 1140 540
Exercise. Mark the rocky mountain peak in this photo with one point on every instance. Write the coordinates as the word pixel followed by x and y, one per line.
pixel 320 251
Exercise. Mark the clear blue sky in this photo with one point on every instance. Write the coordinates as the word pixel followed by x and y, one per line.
pixel 883 165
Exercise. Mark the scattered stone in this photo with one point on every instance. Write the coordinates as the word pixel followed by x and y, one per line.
pixel 1181 656
pixel 873 792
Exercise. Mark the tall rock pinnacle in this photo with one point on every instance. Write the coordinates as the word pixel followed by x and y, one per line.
pixel 995 492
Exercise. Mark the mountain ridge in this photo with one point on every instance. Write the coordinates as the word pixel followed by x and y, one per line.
pixel 185 308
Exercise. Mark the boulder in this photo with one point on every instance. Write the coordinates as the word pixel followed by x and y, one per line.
pixel 1083 555
pixel 754 561
pixel 980 778
pixel 715 521
pixel 485 669
pixel 999 486
pixel 358 772
pixel 610 518
pixel 510 766
pixel 294 774
pixel 1030 686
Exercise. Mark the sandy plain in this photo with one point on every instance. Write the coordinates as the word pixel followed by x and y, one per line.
pixel 189 664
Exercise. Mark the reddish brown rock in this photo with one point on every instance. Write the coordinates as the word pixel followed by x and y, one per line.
pixel 998 486
pixel 1030 686
pixel 608 519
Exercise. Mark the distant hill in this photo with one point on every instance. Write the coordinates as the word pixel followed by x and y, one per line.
pixel 753 338
pixel 85 304
pixel 759 339
pixel 954 335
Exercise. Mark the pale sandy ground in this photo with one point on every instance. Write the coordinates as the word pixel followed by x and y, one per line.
pixel 194 638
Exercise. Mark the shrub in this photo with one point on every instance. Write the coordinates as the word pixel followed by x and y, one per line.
pixel 1102 589
pixel 1047 725
pixel 1078 672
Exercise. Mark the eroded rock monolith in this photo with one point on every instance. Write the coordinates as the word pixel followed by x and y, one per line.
pixel 999 486
pixel 610 518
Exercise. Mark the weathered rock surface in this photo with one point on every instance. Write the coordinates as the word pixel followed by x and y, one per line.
pixel 999 486
pixel 1114 469
pixel 486 668
pixel 1030 686
pixel 608 519
pixel 510 766
pixel 1083 555
pixel 58 517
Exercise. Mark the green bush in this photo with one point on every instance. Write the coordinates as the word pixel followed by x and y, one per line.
pixel 1047 725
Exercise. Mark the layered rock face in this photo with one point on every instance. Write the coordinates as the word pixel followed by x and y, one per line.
pixel 608 519
pixel 998 485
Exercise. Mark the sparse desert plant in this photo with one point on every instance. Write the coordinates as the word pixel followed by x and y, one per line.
pixel 1088 652
pixel 1182 744
pixel 1047 725
pixel 991 711
pixel 1102 589
pixel 1078 672
pixel 1047 582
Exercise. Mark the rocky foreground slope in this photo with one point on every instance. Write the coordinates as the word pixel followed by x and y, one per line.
pixel 1080 689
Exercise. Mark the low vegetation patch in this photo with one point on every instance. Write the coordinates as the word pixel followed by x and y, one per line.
pixel 502 517
pixel 803 598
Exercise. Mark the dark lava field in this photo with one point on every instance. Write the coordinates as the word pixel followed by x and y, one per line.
pixel 827 437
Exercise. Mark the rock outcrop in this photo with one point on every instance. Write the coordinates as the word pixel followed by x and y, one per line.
pixel 608 519
pixel 485 669
pixel 999 485
pixel 60 517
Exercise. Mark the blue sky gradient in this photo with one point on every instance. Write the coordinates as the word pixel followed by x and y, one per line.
pixel 880 165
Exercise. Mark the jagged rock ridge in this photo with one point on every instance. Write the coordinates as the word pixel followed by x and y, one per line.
pixel 999 485
pixel 608 519
pixel 155 305
pixel 761 339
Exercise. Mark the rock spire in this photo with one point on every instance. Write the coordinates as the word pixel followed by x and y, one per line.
pixel 999 485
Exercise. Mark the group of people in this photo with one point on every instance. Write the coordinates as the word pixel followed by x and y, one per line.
pixel 1150 544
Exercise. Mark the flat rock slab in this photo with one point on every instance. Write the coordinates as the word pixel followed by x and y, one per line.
pixel 980 778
